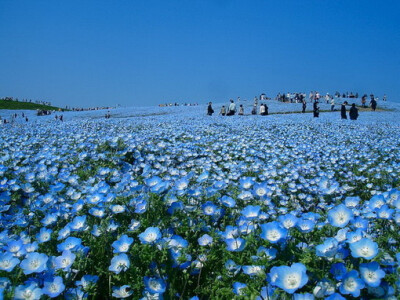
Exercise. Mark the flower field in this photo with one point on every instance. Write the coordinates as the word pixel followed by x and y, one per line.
pixel 173 204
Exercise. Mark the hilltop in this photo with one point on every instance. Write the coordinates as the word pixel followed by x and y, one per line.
pixel 11 104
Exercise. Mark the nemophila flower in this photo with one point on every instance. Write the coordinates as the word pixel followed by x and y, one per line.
pixel 97 212
pixel 328 186
pixel 384 212
pixel 354 236
pixel 228 201
pixel 261 190
pixel 238 288
pixel 251 211
pixel 49 219
pixel 29 291
pixel 87 281
pixel 328 248
pixel 338 270
pixel 231 267
pixel 288 221
pixel 253 270
pixel 53 287
pixel 376 201
pixel 203 177
pixel 122 291
pixel 71 243
pixel 78 223
pixel 246 182
pixel 268 253
pixel 340 216
pixel 324 288
pixel 117 209
pixel 306 296
pixel 15 246
pixel 34 262
pixel 154 285
pixel 371 273
pixel 364 248
pixel 122 244
pixel 352 202
pixel 205 240
pixel 235 244
pixel 150 236
pixel 8 261
pixel 351 284
pixel 305 226
pixel 273 232
pixel 134 225
pixel 64 261
pixel 64 233
pixel 44 235
pixel 245 196
pixel 176 242
pixel 335 296
pixel 290 279
pixel 209 208
pixel 119 263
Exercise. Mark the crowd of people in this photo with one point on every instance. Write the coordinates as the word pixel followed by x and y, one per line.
pixel 13 118
pixel 235 107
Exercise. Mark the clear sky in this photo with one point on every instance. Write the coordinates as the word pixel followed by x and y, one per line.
pixel 138 53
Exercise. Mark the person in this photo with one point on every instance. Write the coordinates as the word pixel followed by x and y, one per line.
pixel 343 113
pixel 364 101
pixel 231 108
pixel 223 110
pixel 61 118
pixel 304 106
pixel 255 101
pixel 373 103
pixel 26 119
pixel 316 109
pixel 241 110
pixel 262 109
pixel 210 110
pixel 332 104
pixel 353 112
pixel 254 110
pixel 384 97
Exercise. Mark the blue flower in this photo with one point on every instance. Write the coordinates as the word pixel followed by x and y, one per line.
pixel 364 248
pixel 122 291
pixel 205 240
pixel 335 296
pixel 71 243
pixel 290 279
pixel 251 212
pixel 150 236
pixel 338 270
pixel 238 288
pixel 306 296
pixel 44 235
pixel 8 261
pixel 328 248
pixel 235 245
pixel 288 220
pixel 305 226
pixel 228 201
pixel 231 267
pixel 34 262
pixel 78 223
pixel 209 208
pixel 371 273
pixel 122 244
pixel 253 270
pixel 119 263
pixel 154 285
pixel 31 289
pixel 273 232
pixel 53 287
pixel 351 284
pixel 340 216
pixel 64 261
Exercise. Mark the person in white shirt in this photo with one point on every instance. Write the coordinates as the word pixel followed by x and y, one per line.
pixel 231 108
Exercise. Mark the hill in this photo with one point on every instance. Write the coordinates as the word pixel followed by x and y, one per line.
pixel 12 104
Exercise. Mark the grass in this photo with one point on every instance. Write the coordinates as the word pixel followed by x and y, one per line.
pixel 15 105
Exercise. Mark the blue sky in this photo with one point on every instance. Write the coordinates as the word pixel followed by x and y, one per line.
pixel 137 53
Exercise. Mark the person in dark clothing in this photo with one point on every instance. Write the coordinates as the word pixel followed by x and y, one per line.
pixel 373 104
pixel 343 112
pixel 316 109
pixel 353 112
pixel 210 110
pixel 304 106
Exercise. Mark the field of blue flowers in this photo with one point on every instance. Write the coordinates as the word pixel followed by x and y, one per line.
pixel 168 203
